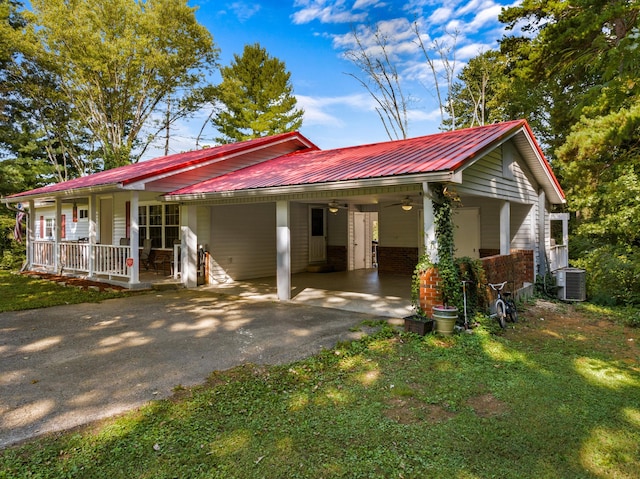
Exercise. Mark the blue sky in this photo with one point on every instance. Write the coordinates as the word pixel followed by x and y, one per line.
pixel 311 36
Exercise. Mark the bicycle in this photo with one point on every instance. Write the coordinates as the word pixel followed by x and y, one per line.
pixel 504 305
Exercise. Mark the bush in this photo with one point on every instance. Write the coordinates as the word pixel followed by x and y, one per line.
pixel 613 274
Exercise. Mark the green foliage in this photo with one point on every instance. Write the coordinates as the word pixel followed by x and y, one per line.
pixel 612 274
pixel 107 67
pixel 443 201
pixel 472 272
pixel 256 96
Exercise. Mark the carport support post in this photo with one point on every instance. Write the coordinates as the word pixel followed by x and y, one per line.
pixel 505 233
pixel 283 251
pixel 56 236
pixel 429 234
pixel 189 239
pixel 134 239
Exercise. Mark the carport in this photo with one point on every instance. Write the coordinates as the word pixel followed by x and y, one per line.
pixel 363 291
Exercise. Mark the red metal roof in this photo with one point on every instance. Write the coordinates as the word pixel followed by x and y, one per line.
pixel 446 151
pixel 160 166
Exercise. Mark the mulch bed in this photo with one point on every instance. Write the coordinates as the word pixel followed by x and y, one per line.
pixel 76 282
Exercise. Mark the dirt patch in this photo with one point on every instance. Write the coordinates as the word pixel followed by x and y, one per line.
pixel 548 320
pixel 487 405
pixel 411 411
pixel 73 281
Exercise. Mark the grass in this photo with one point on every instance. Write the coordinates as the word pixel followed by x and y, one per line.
pixel 542 400
pixel 19 292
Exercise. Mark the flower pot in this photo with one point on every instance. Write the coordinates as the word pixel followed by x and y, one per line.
pixel 418 325
pixel 445 319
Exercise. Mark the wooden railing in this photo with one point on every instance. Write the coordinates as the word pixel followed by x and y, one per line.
pixel 97 259
pixel 558 257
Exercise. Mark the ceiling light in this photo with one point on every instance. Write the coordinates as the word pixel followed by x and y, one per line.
pixel 333 209
pixel 407 207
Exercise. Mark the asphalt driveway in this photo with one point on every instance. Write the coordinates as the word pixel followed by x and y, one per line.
pixel 65 366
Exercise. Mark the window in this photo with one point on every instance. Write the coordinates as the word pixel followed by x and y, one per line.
pixel 83 214
pixel 160 223
pixel 49 227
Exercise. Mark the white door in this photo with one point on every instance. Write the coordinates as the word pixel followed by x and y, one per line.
pixel 360 241
pixel 466 234
pixel 317 235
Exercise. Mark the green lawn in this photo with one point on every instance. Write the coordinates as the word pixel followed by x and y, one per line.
pixel 550 398
pixel 18 292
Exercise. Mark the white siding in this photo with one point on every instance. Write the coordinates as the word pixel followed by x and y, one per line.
pixel 521 218
pixel 203 231
pixel 73 231
pixel 299 225
pixel 338 228
pixel 243 240
pixel 489 177
pixel 397 227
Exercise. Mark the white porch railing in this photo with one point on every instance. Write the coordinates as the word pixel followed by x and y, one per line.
pixel 108 260
pixel 558 257
pixel 43 254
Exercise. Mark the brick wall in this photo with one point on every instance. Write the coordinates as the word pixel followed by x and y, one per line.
pixel 337 257
pixel 429 295
pixel 517 268
pixel 397 260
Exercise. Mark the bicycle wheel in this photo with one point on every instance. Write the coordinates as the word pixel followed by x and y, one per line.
pixel 501 313
pixel 512 311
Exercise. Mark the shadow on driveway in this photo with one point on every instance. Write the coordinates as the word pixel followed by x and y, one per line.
pixel 65 366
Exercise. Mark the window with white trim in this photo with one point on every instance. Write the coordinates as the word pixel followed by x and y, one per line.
pixel 160 223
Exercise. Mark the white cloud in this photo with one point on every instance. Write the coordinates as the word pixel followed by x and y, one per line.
pixel 244 11
pixel 326 11
pixel 325 110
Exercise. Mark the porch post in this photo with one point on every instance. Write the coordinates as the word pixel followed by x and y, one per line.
pixel 92 234
pixel 134 239
pixel 542 238
pixel 429 225
pixel 31 232
pixel 189 239
pixel 283 251
pixel 56 236
pixel 505 228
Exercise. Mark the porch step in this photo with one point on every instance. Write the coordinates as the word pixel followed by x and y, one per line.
pixel 320 268
pixel 166 286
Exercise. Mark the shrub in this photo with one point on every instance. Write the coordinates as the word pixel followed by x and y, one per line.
pixel 613 274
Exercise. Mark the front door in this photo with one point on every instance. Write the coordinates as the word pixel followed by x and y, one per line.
pixel 317 235
pixel 359 241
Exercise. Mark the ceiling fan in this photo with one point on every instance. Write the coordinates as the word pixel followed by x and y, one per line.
pixel 334 206
pixel 406 204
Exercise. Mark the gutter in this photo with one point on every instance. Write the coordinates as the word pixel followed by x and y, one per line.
pixel 446 177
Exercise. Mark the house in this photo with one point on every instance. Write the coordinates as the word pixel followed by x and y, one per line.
pixel 277 205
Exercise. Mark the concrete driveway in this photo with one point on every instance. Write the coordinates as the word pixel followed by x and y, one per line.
pixel 65 366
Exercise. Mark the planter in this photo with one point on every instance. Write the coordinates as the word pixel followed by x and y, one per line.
pixel 418 325
pixel 445 319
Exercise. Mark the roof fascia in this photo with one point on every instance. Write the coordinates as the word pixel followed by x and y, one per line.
pixel 546 167
pixel 438 177
pixel 70 193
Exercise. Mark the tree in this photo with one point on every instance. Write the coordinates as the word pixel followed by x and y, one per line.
pixel 382 81
pixel 116 61
pixel 373 55
pixel 586 55
pixel 255 98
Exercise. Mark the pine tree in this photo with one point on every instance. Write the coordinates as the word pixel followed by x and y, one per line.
pixel 255 98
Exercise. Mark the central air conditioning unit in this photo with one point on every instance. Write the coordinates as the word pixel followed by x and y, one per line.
pixel 572 284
